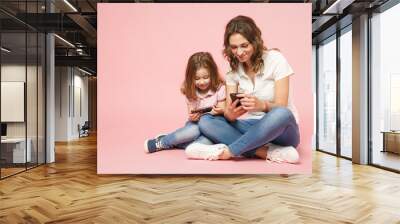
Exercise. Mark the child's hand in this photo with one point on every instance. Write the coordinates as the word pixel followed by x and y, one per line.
pixel 194 117
pixel 217 110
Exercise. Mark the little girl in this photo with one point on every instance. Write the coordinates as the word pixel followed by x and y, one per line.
pixel 203 88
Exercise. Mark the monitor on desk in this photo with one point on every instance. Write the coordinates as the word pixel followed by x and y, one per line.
pixel 3 130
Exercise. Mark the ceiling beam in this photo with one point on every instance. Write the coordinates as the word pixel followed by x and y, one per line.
pixel 86 26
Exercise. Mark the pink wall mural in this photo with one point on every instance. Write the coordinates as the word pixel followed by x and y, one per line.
pixel 142 54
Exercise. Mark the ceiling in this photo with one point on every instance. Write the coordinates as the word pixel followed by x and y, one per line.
pixel 76 22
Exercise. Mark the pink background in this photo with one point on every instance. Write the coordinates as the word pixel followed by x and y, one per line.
pixel 142 54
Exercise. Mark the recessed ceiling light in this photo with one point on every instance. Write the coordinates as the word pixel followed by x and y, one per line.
pixel 84 71
pixel 5 50
pixel 70 5
pixel 337 7
pixel 64 40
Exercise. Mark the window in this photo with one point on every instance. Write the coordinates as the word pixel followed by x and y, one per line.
pixel 327 95
pixel 385 86
pixel 346 92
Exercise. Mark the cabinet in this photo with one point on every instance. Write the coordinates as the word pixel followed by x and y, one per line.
pixel 391 141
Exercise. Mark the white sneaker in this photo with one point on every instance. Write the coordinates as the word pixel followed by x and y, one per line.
pixel 202 151
pixel 277 153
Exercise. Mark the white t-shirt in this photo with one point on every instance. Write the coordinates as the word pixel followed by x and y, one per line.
pixel 275 67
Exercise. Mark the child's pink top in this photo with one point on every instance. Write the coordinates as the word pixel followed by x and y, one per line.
pixel 207 100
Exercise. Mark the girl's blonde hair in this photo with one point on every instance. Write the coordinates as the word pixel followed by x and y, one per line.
pixel 197 61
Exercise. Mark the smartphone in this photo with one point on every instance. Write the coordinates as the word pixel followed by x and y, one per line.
pixel 202 110
pixel 235 97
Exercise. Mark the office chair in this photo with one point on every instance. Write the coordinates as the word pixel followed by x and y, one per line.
pixel 84 130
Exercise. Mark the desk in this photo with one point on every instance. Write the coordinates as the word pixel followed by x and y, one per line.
pixel 391 141
pixel 13 150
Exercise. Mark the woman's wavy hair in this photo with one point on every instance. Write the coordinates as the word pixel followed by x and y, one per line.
pixel 197 61
pixel 248 29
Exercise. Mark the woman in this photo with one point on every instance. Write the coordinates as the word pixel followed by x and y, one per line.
pixel 266 114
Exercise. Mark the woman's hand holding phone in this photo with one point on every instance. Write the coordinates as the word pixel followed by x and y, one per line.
pixel 233 111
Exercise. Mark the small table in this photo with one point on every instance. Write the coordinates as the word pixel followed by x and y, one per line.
pixel 391 141
pixel 13 150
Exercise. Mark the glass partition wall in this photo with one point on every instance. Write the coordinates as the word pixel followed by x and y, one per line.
pixel 334 104
pixel 22 87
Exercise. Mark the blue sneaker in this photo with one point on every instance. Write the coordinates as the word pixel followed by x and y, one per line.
pixel 154 144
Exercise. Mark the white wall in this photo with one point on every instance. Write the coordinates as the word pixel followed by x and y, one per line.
pixel 15 72
pixel 71 87
pixel 12 101
pixel 79 103
pixel 62 81
pixel 12 73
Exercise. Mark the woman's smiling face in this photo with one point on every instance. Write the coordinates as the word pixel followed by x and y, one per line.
pixel 241 47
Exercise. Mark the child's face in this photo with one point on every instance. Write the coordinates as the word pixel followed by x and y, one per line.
pixel 202 79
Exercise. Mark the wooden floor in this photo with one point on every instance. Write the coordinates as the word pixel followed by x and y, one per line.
pixel 387 159
pixel 70 191
pixel 5 172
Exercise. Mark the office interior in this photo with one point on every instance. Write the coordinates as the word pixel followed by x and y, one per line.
pixel 49 74
pixel 48 77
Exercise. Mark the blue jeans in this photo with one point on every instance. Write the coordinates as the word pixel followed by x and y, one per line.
pixel 182 137
pixel 243 137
